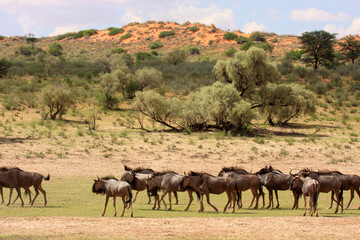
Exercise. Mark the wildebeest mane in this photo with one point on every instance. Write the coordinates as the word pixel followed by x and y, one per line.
pixel 3 169
pixel 233 169
pixel 193 173
pixel 162 173
pixel 109 177
pixel 138 169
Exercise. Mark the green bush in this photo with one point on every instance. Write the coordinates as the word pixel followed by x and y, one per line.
pixel 230 36
pixel 114 31
pixel 194 51
pixel 242 40
pixel 301 71
pixel 285 67
pixel 4 67
pixel 56 100
pixel 194 29
pixel 274 40
pixel 266 46
pixel 155 45
pixel 296 54
pixel 320 88
pixel 118 51
pixel 257 36
pixel 28 50
pixel 2 37
pixel 246 46
pixel 85 33
pixel 63 36
pixel 230 52
pixel 166 34
pixel 176 56
pixel 55 49
pixel 155 53
pixel 142 56
pixel 131 88
pixel 128 35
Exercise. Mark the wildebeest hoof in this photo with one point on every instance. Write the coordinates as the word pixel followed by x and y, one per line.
pixel 132 215
pixel 304 214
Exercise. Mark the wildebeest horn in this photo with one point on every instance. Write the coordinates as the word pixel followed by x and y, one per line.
pixel 291 173
pixel 97 177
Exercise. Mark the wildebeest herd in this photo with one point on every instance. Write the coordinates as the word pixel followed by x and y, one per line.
pixel 231 180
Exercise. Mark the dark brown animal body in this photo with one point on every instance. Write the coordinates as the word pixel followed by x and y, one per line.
pixel 275 180
pixel 327 183
pixel 244 181
pixel 17 178
pixel 205 184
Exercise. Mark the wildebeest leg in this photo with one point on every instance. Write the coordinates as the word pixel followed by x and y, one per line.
pixel 149 197
pixel 311 204
pixel 2 195
pixel 156 201
pixel 229 195
pixel 36 195
pixel 44 193
pixel 277 199
pixel 263 198
pixel 332 199
pixel 29 193
pixel 135 196
pixel 208 201
pixel 358 192
pixel 351 197
pixel 201 203
pixel 338 201
pixel 295 200
pixel 170 201
pixel 304 205
pixel 114 199
pixel 11 190
pixel 162 198
pixel 270 199
pixel 106 202
pixel 190 199
pixel 176 198
pixel 240 199
pixel 19 194
pixel 255 195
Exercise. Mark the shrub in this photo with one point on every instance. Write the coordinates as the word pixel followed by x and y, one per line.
pixel 155 45
pixel 55 49
pixel 257 36
pixel 242 40
pixel 320 88
pixel 194 51
pixel 29 50
pixel 266 46
pixel 230 36
pixel 148 78
pixel 118 51
pixel 296 54
pixel 56 100
pixel 246 46
pixel 166 34
pixel 85 33
pixel 4 67
pixel 142 56
pixel 230 52
pixel 2 37
pixel 128 35
pixel 176 56
pixel 154 52
pixel 114 31
pixel 274 40
pixel 63 36
pixel 194 29
pixel 301 71
pixel 285 67
pixel 131 88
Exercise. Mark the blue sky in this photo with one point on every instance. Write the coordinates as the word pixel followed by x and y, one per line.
pixel 53 17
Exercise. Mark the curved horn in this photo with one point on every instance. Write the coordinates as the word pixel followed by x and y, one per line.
pixel 291 173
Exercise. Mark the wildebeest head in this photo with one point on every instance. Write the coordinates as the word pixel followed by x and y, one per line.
pixel 98 186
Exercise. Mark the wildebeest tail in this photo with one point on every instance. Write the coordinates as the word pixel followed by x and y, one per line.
pixel 47 178
pixel 130 196
pixel 315 197
pixel 341 191
pixel 237 194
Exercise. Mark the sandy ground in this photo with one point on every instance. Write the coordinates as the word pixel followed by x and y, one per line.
pixel 68 154
pixel 188 228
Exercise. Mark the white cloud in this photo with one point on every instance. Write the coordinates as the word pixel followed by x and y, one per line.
pixel 353 29
pixel 66 29
pixel 318 15
pixel 274 13
pixel 130 16
pixel 253 27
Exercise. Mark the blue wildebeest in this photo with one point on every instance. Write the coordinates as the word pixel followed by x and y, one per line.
pixel 113 188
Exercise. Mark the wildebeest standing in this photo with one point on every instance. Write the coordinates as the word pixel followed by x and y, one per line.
pixel 275 180
pixel 205 183
pixel 350 182
pixel 113 188
pixel 327 183
pixel 244 181
pixel 169 182
pixel 17 178
pixel 310 187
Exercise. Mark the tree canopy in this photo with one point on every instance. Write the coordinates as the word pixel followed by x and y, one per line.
pixel 350 47
pixel 318 47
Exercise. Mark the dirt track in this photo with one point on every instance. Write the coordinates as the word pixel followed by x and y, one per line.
pixel 189 228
